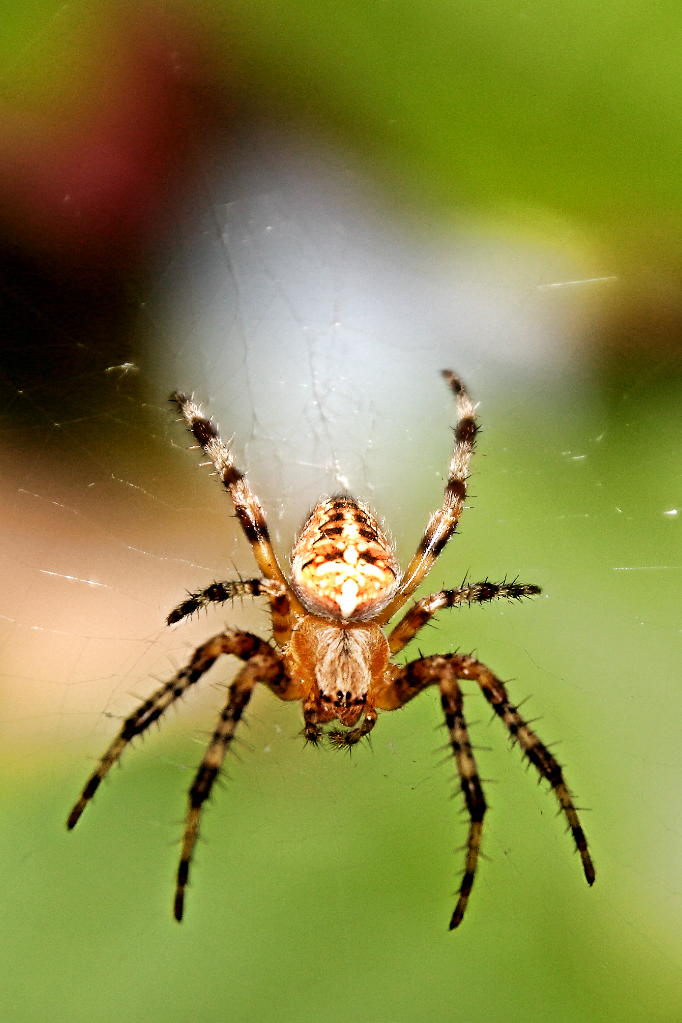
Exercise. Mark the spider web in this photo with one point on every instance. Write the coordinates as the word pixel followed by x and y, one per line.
pixel 314 328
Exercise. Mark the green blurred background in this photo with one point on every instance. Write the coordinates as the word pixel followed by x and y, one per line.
pixel 325 884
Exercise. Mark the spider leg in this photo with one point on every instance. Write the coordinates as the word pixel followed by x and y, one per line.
pixel 246 505
pixel 452 703
pixel 476 593
pixel 403 684
pixel 442 523
pixel 231 641
pixel 261 667
pixel 407 683
pixel 218 592
pixel 538 754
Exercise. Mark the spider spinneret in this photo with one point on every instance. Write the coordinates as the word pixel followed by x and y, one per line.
pixel 329 649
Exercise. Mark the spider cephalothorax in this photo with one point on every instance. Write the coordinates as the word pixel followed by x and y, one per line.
pixel 329 648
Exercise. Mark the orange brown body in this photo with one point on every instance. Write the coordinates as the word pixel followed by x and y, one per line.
pixel 330 648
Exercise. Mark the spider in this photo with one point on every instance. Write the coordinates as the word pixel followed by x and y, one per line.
pixel 328 647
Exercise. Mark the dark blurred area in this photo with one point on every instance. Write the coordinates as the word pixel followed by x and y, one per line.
pixel 111 113
pixel 93 176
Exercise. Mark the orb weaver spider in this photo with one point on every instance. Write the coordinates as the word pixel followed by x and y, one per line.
pixel 328 647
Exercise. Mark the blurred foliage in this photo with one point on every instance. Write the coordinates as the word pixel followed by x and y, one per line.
pixel 324 884
pixel 573 107
pixel 519 108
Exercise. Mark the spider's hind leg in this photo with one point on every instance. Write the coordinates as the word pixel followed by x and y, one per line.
pixel 443 522
pixel 248 508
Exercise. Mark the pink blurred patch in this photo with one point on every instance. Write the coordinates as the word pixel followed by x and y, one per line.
pixel 98 190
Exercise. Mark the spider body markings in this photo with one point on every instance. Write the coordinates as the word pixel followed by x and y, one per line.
pixel 329 648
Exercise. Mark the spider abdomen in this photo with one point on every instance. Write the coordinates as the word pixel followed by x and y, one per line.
pixel 342 565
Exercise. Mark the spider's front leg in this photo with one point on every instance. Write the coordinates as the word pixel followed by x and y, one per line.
pixel 231 641
pixel 406 683
pixel 409 681
pixel 536 752
pixel 265 667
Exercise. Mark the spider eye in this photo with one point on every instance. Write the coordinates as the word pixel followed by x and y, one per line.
pixel 342 565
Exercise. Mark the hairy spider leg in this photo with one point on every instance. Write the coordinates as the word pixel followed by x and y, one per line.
pixel 475 593
pixel 452 703
pixel 538 754
pixel 230 589
pixel 247 507
pixel 407 683
pixel 261 667
pixel 443 522
pixel 231 641
pixel 443 671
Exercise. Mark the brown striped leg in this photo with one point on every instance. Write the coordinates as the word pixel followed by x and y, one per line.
pixel 408 682
pixel 265 668
pixel 453 707
pixel 231 641
pixel 442 523
pixel 494 691
pixel 230 589
pixel 342 740
pixel 477 593
pixel 246 505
